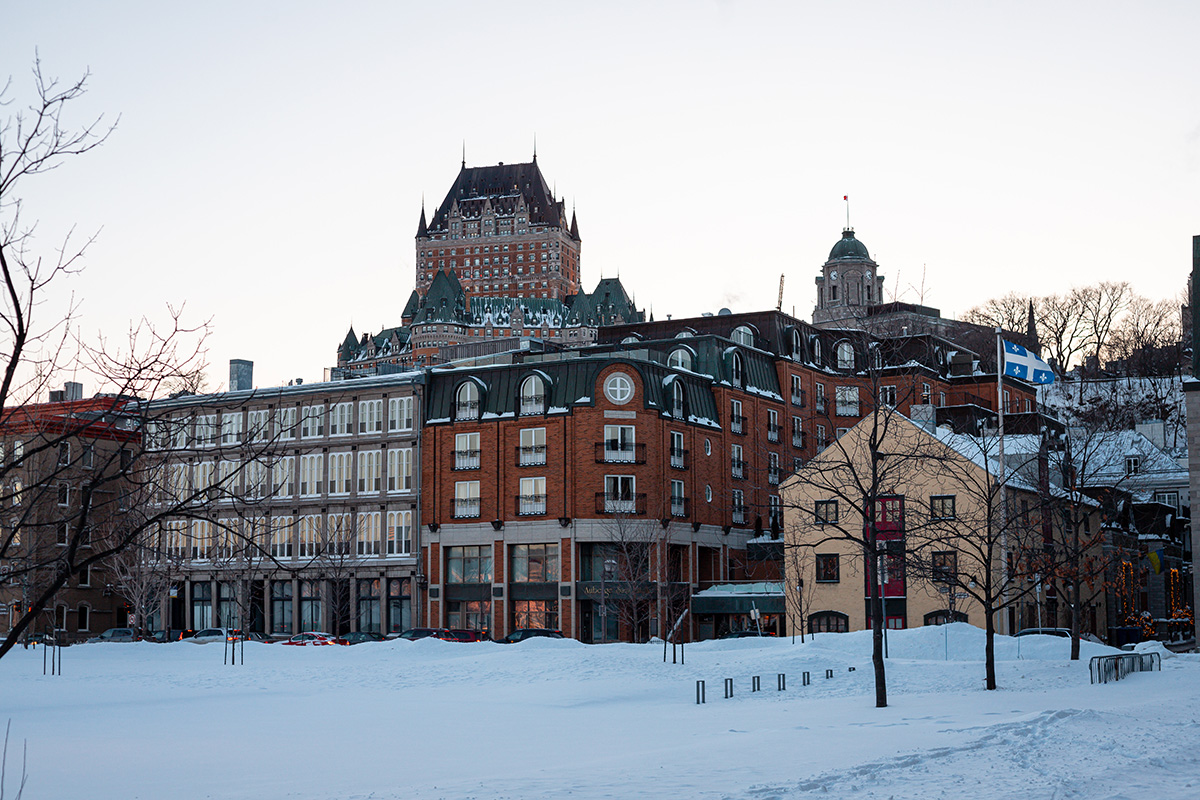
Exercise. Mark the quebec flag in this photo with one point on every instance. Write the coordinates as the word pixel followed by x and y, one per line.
pixel 1020 363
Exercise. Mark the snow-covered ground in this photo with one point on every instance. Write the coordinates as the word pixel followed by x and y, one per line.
pixel 551 719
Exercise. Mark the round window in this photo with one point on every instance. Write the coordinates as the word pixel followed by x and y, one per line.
pixel 708 493
pixel 618 388
pixel 707 447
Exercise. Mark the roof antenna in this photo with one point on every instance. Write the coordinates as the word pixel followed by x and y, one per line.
pixel 846 197
pixel 464 153
pixel 535 148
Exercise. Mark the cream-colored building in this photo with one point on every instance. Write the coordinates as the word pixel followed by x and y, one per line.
pixel 939 531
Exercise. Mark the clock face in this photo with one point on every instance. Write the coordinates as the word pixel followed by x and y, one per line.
pixel 867 276
pixel 833 275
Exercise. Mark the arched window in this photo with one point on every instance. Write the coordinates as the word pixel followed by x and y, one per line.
pixel 797 344
pixel 466 401
pixel 816 350
pixel 680 358
pixel 743 336
pixel 845 355
pixel 686 333
pixel 738 370
pixel 828 622
pixel 876 358
pixel 533 395
pixel 84 617
pixel 678 400
pixel 630 340
pixel 943 616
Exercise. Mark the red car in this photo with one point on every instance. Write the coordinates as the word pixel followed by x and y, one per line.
pixel 313 638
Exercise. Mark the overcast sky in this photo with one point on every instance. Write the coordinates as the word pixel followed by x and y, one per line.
pixel 271 157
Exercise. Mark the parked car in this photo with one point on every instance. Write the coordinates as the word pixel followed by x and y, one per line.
pixel 521 634
pixel 208 635
pixel 358 637
pixel 1061 632
pixel 171 635
pixel 412 634
pixel 115 635
pixel 744 634
pixel 313 639
pixel 255 636
pixel 462 635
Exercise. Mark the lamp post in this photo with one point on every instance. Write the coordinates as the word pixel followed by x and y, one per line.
pixel 610 566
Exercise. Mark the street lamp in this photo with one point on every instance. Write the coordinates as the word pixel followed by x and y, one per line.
pixel 610 567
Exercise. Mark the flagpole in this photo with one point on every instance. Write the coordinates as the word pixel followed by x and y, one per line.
pixel 1003 503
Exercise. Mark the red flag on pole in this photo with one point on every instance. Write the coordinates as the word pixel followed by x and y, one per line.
pixel 845 197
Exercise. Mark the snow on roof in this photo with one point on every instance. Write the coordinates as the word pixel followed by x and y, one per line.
pixel 757 588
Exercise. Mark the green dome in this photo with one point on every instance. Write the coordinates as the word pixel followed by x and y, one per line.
pixel 849 247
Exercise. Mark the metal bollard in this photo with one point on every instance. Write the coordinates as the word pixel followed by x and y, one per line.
pixel 700 692
pixel 805 679
pixel 828 673
pixel 780 682
pixel 851 669
pixel 755 683
pixel 728 688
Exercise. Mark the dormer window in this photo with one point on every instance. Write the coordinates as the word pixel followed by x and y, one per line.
pixel 533 395
pixel 743 335
pixel 466 401
pixel 677 400
pixel 845 355
pixel 738 370
pixel 680 358
pixel 1133 465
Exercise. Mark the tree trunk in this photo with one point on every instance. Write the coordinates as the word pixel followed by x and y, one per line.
pixel 989 649
pixel 877 623
pixel 1075 619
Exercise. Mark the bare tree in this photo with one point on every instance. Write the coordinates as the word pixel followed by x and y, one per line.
pixel 1060 328
pixel 1101 307
pixel 1147 341
pixel 1009 312
pixel 990 541
pixel 142 575
pixel 851 492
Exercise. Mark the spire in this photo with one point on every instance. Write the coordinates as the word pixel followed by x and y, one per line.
pixel 574 224
pixel 422 230
pixel 535 148
pixel 464 163
pixel 1031 332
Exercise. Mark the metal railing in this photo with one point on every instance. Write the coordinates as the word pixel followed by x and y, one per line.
pixel 531 455
pixel 1103 669
pixel 679 459
pixel 531 504
pixel 466 459
pixel 613 451
pixel 466 507
pixel 533 404
pixel 679 506
pixel 620 503
pixel 737 424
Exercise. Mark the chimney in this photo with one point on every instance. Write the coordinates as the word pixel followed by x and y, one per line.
pixel 924 415
pixel 72 390
pixel 241 375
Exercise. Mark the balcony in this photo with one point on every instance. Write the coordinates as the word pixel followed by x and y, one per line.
pixel 620 503
pixel 847 409
pixel 466 507
pixel 532 404
pixel 679 506
pixel 678 459
pixel 466 409
pixel 798 439
pixel 798 399
pixel 773 476
pixel 772 432
pixel 739 515
pixel 820 404
pixel 739 467
pixel 737 424
pixel 531 455
pixel 466 459
pixel 531 504
pixel 615 452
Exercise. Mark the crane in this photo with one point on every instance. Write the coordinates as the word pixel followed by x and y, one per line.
pixel 779 304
